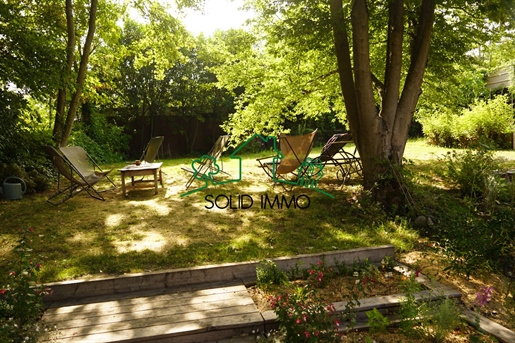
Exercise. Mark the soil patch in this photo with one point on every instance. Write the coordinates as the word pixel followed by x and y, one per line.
pixel 334 289
pixel 337 289
pixel 501 306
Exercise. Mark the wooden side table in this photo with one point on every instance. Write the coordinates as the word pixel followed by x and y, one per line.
pixel 143 169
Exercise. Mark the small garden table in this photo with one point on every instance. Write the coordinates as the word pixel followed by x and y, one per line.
pixel 143 169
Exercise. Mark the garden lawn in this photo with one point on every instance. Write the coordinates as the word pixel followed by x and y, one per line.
pixel 84 237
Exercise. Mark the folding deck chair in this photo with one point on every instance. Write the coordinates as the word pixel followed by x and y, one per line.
pixel 334 154
pixel 152 148
pixel 73 165
pixel 294 150
pixel 208 162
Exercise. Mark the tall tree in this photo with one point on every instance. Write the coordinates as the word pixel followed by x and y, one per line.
pixel 64 123
pixel 382 50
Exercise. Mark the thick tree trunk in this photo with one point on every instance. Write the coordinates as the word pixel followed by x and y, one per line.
pixel 413 84
pixel 81 77
pixel 380 129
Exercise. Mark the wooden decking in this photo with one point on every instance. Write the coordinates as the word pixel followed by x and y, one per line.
pixel 157 316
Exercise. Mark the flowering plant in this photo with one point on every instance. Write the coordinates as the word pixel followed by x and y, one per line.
pixel 317 272
pixel 304 317
pixel 21 301
pixel 484 296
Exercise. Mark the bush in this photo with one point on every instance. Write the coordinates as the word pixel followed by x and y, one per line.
pixel 470 170
pixel 21 304
pixel 105 142
pixel 439 318
pixel 304 317
pixel 269 274
pixel 36 180
pixel 486 122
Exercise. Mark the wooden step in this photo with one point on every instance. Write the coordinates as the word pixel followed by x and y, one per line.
pixel 173 316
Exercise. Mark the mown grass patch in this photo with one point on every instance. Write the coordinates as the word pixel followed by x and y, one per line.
pixel 145 232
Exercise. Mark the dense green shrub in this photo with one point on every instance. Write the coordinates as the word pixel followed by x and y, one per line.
pixel 470 170
pixel 103 141
pixel 21 301
pixel 437 126
pixel 460 235
pixel 487 122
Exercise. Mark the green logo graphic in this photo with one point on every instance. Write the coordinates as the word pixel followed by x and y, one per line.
pixel 205 168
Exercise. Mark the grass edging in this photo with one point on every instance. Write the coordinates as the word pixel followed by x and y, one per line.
pixel 227 272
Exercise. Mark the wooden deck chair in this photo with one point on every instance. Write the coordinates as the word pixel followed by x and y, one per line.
pixel 71 180
pixel 334 154
pixel 294 150
pixel 206 164
pixel 152 149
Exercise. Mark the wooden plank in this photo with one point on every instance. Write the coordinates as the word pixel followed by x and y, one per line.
pixel 394 300
pixel 157 314
pixel 66 321
pixel 492 328
pixel 162 327
pixel 170 299
pixel 141 293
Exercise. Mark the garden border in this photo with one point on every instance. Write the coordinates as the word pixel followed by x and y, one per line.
pixel 176 278
pixel 245 272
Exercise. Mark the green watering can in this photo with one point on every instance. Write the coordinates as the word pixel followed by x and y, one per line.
pixel 13 188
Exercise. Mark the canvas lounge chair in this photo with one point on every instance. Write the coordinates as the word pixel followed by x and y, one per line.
pixel 294 150
pixel 152 148
pixel 209 162
pixel 334 154
pixel 75 174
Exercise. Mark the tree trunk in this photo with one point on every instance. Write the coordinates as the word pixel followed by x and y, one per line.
pixel 380 129
pixel 61 94
pixel 81 77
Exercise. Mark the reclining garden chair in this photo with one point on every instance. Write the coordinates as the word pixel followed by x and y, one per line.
pixel 334 154
pixel 208 163
pixel 295 150
pixel 79 175
pixel 152 148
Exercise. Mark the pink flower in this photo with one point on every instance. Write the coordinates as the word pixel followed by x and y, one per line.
pixel 484 295
pixel 3 291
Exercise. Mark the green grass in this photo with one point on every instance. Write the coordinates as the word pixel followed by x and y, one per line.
pixel 145 232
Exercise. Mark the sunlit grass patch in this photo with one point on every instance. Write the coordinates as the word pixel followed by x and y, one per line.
pixel 143 231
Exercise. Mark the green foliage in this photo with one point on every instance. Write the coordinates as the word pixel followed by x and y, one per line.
pixel 269 274
pixel 22 302
pixel 20 143
pixel 430 318
pixel 105 142
pixel 303 317
pixel 388 263
pixel 36 180
pixel 439 318
pixel 319 273
pixel 485 122
pixel 409 308
pixel 377 322
pixel 463 231
pixel 470 170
